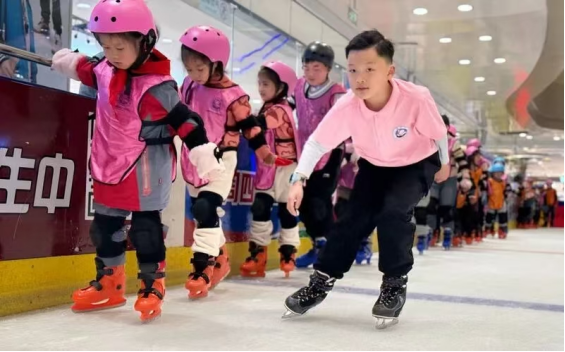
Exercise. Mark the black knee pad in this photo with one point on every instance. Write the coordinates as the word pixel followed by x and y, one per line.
pixel 503 218
pixel 261 208
pixel 288 221
pixel 205 208
pixel 446 213
pixel 146 234
pixel 102 229
pixel 421 215
pixel 432 206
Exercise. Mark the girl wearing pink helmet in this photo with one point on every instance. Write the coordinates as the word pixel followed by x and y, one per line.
pixel 223 105
pixel 133 160
pixel 479 177
pixel 276 82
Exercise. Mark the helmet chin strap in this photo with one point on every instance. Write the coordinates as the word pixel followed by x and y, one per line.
pixel 146 47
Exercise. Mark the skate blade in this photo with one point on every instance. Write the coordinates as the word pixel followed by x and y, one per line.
pixel 148 317
pixel 289 314
pixel 385 322
pixel 94 308
pixel 247 275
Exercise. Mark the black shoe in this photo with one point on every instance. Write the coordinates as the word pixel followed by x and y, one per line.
pixel 309 296
pixel 391 300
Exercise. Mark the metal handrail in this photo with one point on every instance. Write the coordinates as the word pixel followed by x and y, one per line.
pixel 24 54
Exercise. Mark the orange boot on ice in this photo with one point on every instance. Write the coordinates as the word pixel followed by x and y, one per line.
pixel 152 292
pixel 221 268
pixel 288 255
pixel 255 264
pixel 107 291
pixel 200 280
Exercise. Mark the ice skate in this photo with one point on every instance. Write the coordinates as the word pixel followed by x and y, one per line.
pixel 310 258
pixel 221 267
pixel 447 239
pixel 365 253
pixel 199 281
pixel 390 302
pixel 255 264
pixel 421 244
pixel 152 292
pixel 287 262
pixel 309 296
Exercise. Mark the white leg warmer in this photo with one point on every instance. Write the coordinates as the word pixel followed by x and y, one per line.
pixel 261 232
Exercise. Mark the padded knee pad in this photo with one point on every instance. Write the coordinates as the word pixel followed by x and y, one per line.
pixel 421 216
pixel 102 232
pixel 288 221
pixel 432 207
pixel 261 208
pixel 146 234
pixel 503 218
pixel 205 210
pixel 446 213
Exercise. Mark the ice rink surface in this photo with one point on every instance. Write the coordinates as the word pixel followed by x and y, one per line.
pixel 497 295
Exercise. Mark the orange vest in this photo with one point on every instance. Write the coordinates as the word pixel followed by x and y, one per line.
pixel 476 175
pixel 496 194
pixel 550 197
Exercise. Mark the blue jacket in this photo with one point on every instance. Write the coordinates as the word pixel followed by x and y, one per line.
pixel 16 29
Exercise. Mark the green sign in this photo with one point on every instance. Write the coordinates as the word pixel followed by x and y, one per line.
pixel 352 15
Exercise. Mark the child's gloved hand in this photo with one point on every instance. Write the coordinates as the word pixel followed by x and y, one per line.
pixel 208 160
pixel 66 61
pixel 465 184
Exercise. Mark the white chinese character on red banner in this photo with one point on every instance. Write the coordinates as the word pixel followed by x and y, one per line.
pixel 247 189
pixel 13 184
pixel 51 201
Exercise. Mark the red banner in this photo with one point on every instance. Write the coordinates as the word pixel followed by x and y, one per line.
pixel 44 191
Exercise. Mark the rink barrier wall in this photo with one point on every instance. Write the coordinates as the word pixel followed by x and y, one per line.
pixel 32 284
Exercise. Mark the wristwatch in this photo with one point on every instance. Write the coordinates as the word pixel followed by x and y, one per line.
pixel 297 177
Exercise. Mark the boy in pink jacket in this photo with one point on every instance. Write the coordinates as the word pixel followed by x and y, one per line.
pixel 402 143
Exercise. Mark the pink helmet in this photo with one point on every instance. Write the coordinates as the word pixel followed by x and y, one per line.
pixel 285 72
pixel 470 150
pixel 452 130
pixel 475 142
pixel 121 16
pixel 208 41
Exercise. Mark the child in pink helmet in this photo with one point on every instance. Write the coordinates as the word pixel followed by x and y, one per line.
pixel 223 105
pixel 133 159
pixel 276 83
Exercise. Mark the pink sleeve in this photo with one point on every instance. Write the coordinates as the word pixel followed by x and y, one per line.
pixel 334 128
pixel 429 122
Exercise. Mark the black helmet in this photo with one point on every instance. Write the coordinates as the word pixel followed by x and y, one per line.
pixel 318 51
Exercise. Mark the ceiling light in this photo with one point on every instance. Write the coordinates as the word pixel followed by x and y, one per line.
pixel 464 62
pixel 445 40
pixel 540 162
pixel 556 138
pixel 491 92
pixel 523 134
pixel 479 79
pixel 167 40
pixel 420 11
pixel 525 148
pixel 82 5
pixel 485 38
pixel 530 137
pixel 256 101
pixel 465 8
pixel 499 60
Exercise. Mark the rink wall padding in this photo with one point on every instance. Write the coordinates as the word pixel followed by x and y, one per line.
pixel 31 284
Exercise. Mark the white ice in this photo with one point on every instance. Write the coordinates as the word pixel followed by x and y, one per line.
pixel 498 295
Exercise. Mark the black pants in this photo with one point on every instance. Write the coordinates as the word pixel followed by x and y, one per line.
pixel 382 197
pixel 549 215
pixel 46 13
pixel 316 210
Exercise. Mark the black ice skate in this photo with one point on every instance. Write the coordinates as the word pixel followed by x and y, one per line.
pixel 390 302
pixel 309 296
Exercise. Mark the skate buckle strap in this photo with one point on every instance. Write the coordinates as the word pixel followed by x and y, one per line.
pixel 96 285
pixel 150 290
pixel 210 262
pixel 151 276
pixel 197 275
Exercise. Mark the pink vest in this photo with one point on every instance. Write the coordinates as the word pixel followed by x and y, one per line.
pixel 212 105
pixel 310 113
pixel 116 145
pixel 265 175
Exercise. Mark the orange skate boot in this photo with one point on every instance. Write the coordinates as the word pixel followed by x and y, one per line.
pixel 255 264
pixel 288 263
pixel 501 234
pixel 199 281
pixel 469 239
pixel 221 268
pixel 106 292
pixel 152 292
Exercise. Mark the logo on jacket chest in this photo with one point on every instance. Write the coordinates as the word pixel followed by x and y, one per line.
pixel 216 105
pixel 400 132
